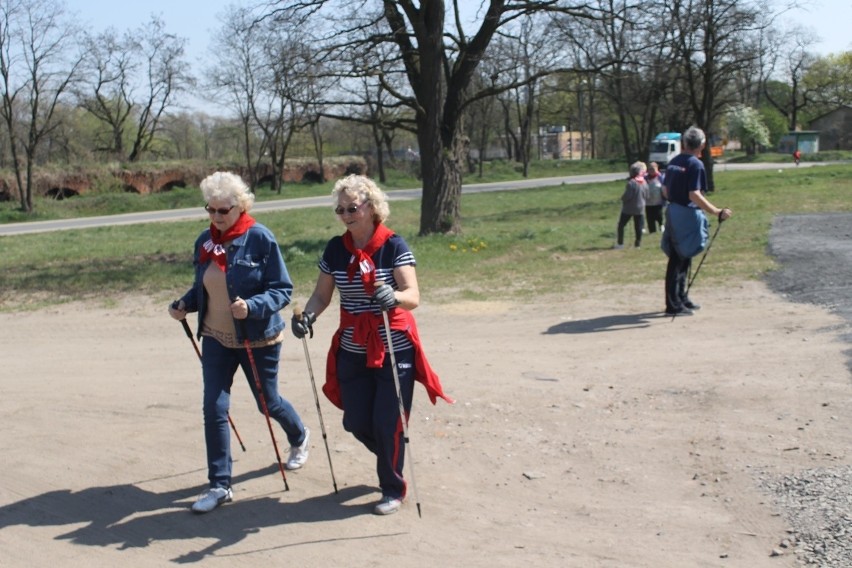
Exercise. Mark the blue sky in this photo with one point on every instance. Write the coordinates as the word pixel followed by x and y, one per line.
pixel 196 20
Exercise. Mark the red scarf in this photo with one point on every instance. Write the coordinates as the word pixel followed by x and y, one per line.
pixel 214 246
pixel 361 258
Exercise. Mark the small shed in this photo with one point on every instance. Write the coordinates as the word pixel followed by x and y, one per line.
pixel 806 141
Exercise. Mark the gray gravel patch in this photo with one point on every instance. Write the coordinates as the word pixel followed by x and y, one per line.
pixel 817 503
pixel 815 254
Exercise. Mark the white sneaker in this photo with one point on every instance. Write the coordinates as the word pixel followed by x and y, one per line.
pixel 618 247
pixel 387 506
pixel 212 498
pixel 299 454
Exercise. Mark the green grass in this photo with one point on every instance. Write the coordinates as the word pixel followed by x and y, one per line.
pixel 515 244
pixel 740 157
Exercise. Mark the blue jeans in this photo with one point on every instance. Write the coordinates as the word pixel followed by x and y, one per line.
pixel 219 364
pixel 371 411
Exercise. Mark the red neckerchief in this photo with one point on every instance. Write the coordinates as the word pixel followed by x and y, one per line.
pixel 361 258
pixel 213 247
pixel 652 175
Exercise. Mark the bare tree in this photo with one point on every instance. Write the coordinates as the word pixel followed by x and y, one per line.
pixel 267 71
pixel 232 77
pixel 185 131
pixel 527 47
pixel 635 56
pixel 370 101
pixel 483 117
pixel 439 65
pixel 383 122
pixel 107 93
pixel 38 64
pixel 287 83
pixel 130 82
pixel 789 61
pixel 713 39
pixel 166 74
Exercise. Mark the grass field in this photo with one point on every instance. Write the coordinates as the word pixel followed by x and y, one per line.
pixel 514 243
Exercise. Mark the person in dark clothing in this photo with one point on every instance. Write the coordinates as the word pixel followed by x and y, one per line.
pixel 685 185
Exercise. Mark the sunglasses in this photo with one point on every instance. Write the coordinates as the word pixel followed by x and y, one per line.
pixel 351 209
pixel 221 211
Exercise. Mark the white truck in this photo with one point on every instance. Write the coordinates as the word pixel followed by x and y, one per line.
pixel 664 147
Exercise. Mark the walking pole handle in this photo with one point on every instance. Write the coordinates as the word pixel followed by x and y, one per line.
pixel 186 329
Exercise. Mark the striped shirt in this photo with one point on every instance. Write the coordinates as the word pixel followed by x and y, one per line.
pixel 335 261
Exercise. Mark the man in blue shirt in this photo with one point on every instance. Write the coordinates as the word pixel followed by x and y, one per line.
pixel 685 184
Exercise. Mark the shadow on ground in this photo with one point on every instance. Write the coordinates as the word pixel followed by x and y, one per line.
pixel 606 323
pixel 126 516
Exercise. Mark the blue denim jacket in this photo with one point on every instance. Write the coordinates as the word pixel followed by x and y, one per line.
pixel 257 274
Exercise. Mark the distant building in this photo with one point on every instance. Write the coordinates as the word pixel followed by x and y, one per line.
pixel 559 143
pixel 835 129
pixel 806 141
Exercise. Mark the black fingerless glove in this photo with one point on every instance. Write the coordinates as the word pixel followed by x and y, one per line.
pixel 303 326
pixel 385 297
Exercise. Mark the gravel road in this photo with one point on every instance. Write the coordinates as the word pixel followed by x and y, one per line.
pixel 815 254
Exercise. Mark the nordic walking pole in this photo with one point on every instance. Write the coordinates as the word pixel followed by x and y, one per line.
pixel 259 388
pixel 198 352
pixel 297 311
pixel 402 416
pixel 710 244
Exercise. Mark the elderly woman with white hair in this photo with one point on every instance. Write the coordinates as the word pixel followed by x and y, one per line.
pixel 241 284
pixel 359 377
pixel 633 205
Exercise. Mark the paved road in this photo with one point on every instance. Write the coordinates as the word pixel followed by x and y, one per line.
pixel 320 201
pixel 279 204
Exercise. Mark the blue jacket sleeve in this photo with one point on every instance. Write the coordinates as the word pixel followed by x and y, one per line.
pixel 277 285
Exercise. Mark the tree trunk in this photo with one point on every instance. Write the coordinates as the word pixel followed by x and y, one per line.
pixel 380 156
pixel 708 167
pixel 442 180
pixel 277 171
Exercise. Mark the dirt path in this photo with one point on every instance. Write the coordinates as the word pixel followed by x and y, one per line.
pixel 574 441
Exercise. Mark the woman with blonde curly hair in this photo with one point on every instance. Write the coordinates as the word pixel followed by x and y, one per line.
pixel 359 377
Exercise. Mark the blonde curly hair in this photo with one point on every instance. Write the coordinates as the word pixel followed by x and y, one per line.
pixel 363 189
